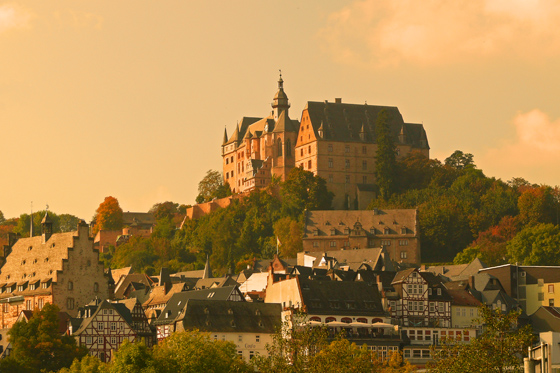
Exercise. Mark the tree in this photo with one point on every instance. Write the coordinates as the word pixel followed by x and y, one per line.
pixel 88 364
pixel 289 233
pixel 38 346
pixel 2 218
pixel 194 352
pixel 109 215
pixel 212 186
pixel 459 160
pixel 537 205
pixel 386 157
pixel 536 245
pixel 133 357
pixel 499 348
pixel 304 191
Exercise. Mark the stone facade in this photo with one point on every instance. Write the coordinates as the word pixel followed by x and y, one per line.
pixel 394 230
pixel 60 268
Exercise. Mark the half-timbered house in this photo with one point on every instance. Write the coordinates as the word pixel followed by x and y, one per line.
pixel 102 327
pixel 422 300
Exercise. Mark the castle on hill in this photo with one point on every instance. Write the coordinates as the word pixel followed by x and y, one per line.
pixel 334 140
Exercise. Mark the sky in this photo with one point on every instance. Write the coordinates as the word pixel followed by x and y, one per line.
pixel 130 98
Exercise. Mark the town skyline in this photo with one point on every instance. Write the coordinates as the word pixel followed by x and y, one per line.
pixel 99 100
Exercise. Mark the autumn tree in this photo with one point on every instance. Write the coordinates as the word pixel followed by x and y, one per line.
pixel 2 218
pixel 499 348
pixel 38 345
pixel 538 205
pixel 109 215
pixel 386 156
pixel 88 364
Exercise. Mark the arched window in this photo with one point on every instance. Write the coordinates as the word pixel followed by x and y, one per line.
pixel 330 319
pixel 346 320
pixel 279 147
pixel 288 148
pixel 361 319
pixel 315 318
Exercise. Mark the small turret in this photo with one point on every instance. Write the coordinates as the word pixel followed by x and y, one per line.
pixel 225 137
pixel 46 223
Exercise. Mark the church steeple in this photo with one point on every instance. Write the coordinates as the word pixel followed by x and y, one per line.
pixel 47 226
pixel 280 102
pixel 207 270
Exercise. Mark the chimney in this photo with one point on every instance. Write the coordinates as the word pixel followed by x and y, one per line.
pixel 338 100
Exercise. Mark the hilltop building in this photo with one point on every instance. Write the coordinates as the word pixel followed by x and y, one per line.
pixel 334 140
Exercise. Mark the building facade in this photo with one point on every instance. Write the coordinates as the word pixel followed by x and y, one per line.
pixel 394 230
pixel 61 268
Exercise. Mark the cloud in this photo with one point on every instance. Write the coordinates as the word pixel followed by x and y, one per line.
pixel 438 32
pixel 534 153
pixel 12 17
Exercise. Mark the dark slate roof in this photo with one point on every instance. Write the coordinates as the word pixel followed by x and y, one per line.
pixel 463 298
pixel 319 295
pixel 142 218
pixel 285 124
pixel 179 300
pixel 137 280
pixel 343 122
pixel 224 316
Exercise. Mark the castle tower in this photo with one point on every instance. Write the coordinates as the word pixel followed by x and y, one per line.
pixel 280 103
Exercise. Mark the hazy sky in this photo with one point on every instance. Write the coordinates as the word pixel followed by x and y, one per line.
pixel 130 98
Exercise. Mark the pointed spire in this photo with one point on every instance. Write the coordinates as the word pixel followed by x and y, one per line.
pixel 225 137
pixel 207 270
pixel 235 136
pixel 280 102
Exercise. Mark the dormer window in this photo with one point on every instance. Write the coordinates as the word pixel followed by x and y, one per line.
pixel 403 230
pixel 386 231
pixel 30 248
pixel 439 291
pixel 333 232
pixel 346 230
pixel 316 232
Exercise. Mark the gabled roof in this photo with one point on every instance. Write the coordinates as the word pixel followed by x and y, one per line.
pixel 137 280
pixel 463 298
pixel 285 124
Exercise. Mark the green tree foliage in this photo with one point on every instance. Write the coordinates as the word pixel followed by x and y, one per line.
pixel 536 245
pixel 212 186
pixel 88 364
pixel 37 345
pixel 193 352
pixel 304 191
pixel 60 223
pixel 498 349
pixel 289 233
pixel 386 157
pixel 2 218
pixel 109 215
pixel 459 160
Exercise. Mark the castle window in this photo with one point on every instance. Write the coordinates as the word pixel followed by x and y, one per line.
pixel 347 163
pixel 364 149
pixel 70 285
pixel 70 303
pixel 29 305
pixel 331 179
pixel 403 230
pixel 309 150
pixel 227 160
pixel 301 152
pixel 315 243
pixel 316 232
pixel 279 147
pixel 330 148
pixel 333 244
pixel 403 254
pixel 331 163
pixel 386 231
pixel 309 164
pixel 364 165
pixel 347 179
pixel 347 149
pixel 346 230
pixel 333 231
pixel 403 242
